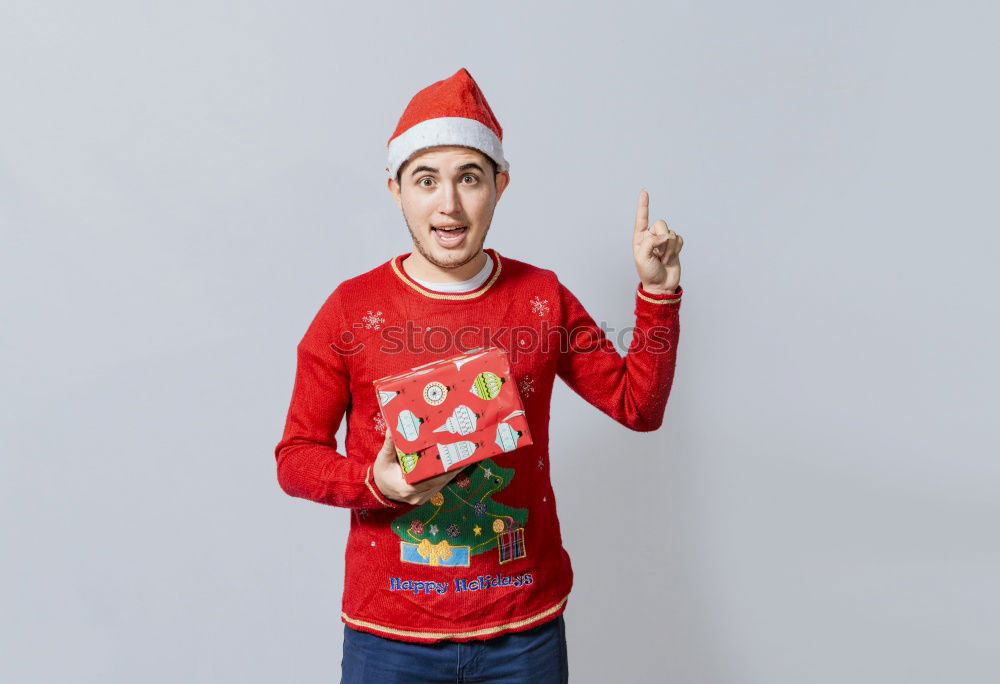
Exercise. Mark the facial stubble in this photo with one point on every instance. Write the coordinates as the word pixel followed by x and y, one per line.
pixel 425 253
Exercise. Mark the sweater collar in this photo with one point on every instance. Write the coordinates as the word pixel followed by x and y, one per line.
pixel 397 267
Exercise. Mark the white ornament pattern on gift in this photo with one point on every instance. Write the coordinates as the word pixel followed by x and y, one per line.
pixel 539 306
pixel 462 421
pixel 455 452
pixel 373 320
pixel 506 437
pixel 409 424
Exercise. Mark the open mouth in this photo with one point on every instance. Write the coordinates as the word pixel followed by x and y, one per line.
pixel 450 236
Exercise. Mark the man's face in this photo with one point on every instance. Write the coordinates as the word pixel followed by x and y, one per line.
pixel 447 195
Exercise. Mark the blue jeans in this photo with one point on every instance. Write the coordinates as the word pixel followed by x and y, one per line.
pixel 534 656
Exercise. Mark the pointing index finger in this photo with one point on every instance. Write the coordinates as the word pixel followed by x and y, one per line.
pixel 642 212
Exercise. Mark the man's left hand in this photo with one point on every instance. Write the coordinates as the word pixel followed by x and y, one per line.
pixel 657 250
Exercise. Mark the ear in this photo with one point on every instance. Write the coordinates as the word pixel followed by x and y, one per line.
pixel 394 189
pixel 502 180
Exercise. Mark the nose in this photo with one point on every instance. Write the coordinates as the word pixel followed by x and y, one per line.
pixel 449 199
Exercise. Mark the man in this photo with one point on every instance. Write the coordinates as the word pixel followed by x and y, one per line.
pixel 462 576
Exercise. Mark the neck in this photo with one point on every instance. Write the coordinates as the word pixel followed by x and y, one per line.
pixel 416 266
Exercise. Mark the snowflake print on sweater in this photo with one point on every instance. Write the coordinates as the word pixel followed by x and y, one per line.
pixel 373 320
pixel 539 306
pixel 526 385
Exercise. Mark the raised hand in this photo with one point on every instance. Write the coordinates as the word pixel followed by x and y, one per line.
pixel 657 250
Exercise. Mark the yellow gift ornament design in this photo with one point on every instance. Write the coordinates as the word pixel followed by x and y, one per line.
pixel 407 461
pixel 487 385
pixel 435 552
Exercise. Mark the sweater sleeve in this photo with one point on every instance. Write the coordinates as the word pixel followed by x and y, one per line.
pixel 308 463
pixel 633 390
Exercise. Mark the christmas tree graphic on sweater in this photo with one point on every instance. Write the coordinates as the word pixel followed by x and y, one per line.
pixel 463 520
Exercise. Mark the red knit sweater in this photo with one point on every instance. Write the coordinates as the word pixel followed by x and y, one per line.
pixel 399 584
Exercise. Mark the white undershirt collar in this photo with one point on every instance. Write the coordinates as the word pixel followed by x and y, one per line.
pixel 462 285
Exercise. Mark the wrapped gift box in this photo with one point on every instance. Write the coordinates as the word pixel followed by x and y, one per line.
pixel 449 413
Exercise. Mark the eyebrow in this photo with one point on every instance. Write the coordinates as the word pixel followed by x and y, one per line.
pixel 463 167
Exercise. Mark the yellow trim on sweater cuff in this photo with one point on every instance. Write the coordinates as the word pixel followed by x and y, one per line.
pixel 381 499
pixel 657 301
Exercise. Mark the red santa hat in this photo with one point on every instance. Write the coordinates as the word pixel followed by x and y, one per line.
pixel 450 112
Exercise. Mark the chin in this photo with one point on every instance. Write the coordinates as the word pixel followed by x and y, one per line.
pixel 451 257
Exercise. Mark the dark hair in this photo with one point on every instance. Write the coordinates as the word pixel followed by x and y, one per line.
pixel 399 173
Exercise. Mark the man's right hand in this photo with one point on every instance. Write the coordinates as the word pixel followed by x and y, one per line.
pixel 389 477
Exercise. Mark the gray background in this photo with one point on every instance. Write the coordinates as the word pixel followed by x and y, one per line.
pixel 182 184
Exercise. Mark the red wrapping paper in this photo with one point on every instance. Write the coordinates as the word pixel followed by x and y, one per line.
pixel 447 414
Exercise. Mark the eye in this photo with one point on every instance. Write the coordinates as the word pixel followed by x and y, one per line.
pixel 425 178
pixel 472 176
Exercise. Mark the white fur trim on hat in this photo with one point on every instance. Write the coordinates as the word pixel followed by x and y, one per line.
pixel 445 130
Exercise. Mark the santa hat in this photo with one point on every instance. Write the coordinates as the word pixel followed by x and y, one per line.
pixel 450 112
